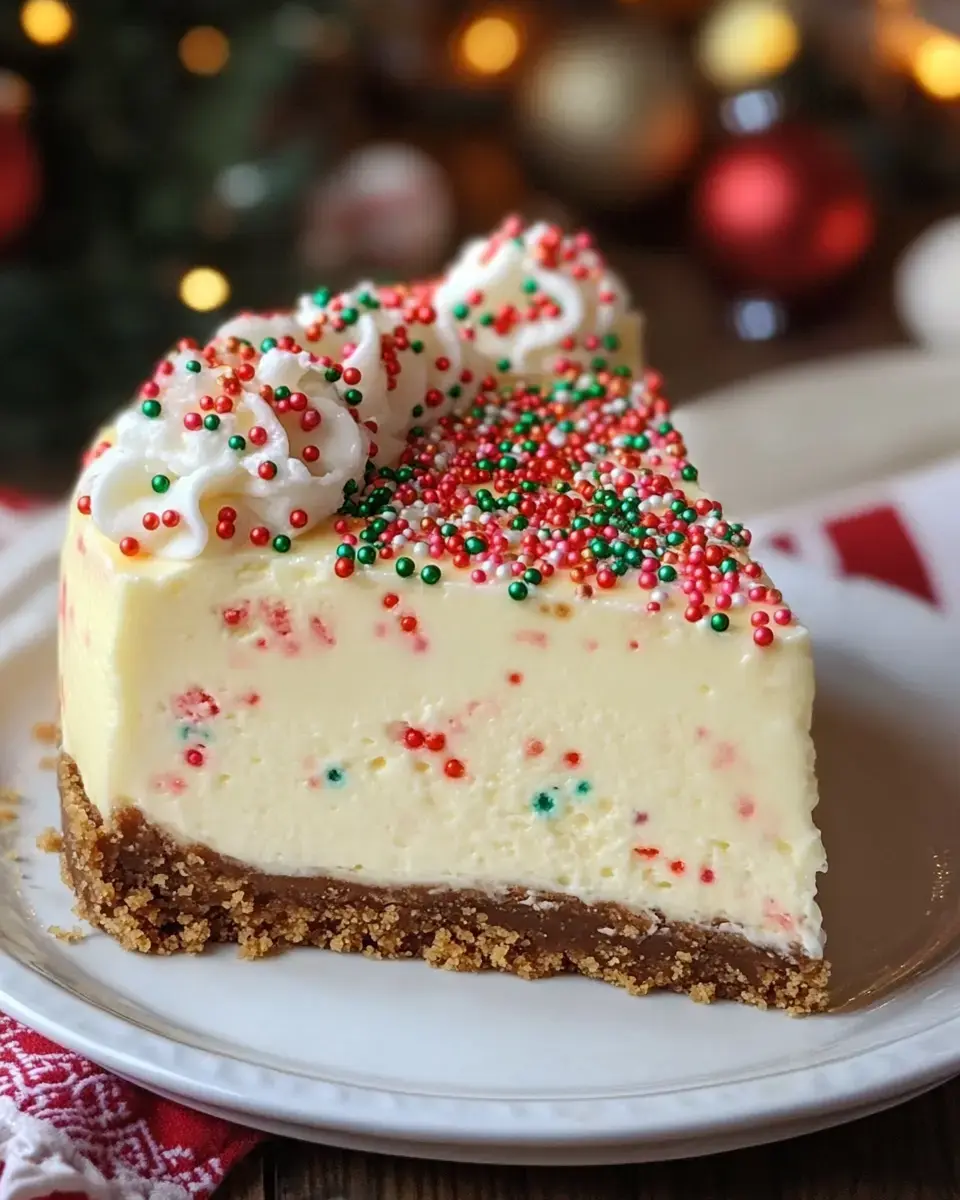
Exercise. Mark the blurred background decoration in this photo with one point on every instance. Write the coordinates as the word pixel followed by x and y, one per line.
pixel 164 162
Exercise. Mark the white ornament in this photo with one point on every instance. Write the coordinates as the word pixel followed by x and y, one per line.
pixel 927 287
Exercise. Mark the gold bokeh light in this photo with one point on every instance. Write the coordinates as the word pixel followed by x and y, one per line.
pixel 46 22
pixel 204 50
pixel 204 289
pixel 936 66
pixel 490 45
pixel 743 42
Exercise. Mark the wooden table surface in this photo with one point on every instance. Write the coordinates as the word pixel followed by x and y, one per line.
pixel 909 1153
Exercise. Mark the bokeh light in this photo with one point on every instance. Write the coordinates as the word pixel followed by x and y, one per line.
pixel 745 41
pixel 15 94
pixel 46 22
pixel 490 45
pixel 204 50
pixel 204 289
pixel 936 66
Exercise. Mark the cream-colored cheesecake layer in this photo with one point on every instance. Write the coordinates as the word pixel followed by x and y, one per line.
pixel 262 706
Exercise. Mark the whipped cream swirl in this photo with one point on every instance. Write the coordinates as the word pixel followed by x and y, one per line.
pixel 528 294
pixel 215 447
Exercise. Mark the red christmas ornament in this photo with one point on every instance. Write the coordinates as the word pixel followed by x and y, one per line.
pixel 20 172
pixel 786 211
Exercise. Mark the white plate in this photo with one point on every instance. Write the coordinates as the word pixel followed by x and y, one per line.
pixel 487 1067
pixel 787 437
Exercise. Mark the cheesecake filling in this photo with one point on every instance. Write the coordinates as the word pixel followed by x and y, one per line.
pixel 447 737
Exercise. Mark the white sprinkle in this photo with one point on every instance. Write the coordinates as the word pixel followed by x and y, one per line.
pixel 504 571
pixel 471 512
pixel 419 550
pixel 660 595
pixel 738 599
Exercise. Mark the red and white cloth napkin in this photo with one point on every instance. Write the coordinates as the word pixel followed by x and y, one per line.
pixel 67 1126
pixel 903 531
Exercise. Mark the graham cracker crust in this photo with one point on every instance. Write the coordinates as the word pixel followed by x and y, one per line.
pixel 155 895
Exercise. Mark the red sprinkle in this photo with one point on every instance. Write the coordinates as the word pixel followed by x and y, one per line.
pixel 763 636
pixel 453 768
pixel 129 546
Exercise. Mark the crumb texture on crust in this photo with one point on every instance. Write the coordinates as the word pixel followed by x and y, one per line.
pixel 154 895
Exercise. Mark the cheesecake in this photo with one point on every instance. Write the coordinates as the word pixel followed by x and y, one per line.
pixel 384 633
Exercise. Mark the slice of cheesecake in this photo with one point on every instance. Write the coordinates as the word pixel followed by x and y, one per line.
pixel 522 700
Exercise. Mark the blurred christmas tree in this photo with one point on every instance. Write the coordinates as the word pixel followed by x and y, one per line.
pixel 144 147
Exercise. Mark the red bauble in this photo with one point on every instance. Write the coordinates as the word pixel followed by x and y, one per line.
pixel 786 211
pixel 20 173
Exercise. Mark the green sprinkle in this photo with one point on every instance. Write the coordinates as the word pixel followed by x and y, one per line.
pixel 416 346
pixel 475 545
pixel 518 590
pixel 405 567
pixel 503 364
pixel 349 316
pixel 367 556
pixel 689 473
pixel 268 343
pixel 667 574
pixel 529 286
pixel 211 421
pixel 728 565
pixel 331 374
pixel 193 366
pixel 508 463
pixel 150 408
pixel 455 392
pixel 600 547
pixel 720 622
pixel 237 442
pixel 321 297
pixel 353 396
pixel 281 543
pixel 543 803
pixel 160 483
pixel 336 776
pixel 532 575
pixel 676 538
pixel 282 392
pixel 583 787
pixel 460 311
pixel 611 342
pixel 345 550
pixel 431 573
pixel 485 319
